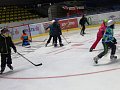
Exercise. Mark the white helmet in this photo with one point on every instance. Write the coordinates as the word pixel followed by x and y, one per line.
pixel 110 22
pixel 53 21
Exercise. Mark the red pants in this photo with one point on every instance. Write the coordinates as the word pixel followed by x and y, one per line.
pixel 96 42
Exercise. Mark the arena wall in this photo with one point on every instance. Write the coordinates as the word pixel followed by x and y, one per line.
pixel 36 27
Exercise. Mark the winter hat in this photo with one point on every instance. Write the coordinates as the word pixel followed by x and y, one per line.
pixel 105 20
pixel 110 22
pixel 23 31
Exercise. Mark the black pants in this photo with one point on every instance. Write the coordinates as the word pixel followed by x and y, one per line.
pixel 60 40
pixel 55 39
pixel 83 29
pixel 106 45
pixel 5 59
pixel 50 37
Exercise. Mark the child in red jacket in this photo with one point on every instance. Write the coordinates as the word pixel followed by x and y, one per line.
pixel 100 34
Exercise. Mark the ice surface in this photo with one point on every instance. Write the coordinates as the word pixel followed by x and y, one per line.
pixel 70 67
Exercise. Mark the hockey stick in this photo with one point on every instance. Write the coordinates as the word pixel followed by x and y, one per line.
pixel 65 39
pixel 29 60
pixel 40 41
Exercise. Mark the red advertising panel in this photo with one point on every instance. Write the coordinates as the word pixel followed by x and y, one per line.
pixel 68 23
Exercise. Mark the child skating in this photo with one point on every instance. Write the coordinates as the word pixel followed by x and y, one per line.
pixel 25 39
pixel 100 34
pixel 108 41
pixel 5 49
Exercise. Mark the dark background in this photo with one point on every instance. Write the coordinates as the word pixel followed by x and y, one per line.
pixel 88 2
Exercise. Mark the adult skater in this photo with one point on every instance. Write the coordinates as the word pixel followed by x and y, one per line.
pixel 108 41
pixel 99 34
pixel 5 49
pixel 82 22
pixel 25 39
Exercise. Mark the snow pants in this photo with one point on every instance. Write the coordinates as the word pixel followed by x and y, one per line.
pixel 106 45
pixel 96 42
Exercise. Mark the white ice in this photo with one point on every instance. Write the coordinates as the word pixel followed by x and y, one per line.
pixel 70 67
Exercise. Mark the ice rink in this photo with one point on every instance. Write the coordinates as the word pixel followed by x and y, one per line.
pixel 70 67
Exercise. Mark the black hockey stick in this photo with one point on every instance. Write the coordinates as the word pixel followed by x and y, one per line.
pixel 65 39
pixel 29 60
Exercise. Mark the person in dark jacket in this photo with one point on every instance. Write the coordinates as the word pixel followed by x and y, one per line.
pixel 55 32
pixel 82 22
pixel 5 49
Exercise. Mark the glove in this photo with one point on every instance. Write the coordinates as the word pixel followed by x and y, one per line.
pixel 114 40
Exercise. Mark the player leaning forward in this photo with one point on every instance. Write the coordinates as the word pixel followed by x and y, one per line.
pixel 108 41
pixel 5 49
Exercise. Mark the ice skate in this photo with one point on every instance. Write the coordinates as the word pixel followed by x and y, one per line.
pixel 90 50
pixel 11 67
pixel 96 59
pixel 55 45
pixel 82 34
pixel 61 45
pixel 112 57
pixel 46 44
pixel 2 70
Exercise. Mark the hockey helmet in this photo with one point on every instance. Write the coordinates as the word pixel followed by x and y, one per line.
pixel 110 22
pixel 105 20
pixel 53 21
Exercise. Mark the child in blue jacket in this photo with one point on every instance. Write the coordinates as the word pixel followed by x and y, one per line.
pixel 108 41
